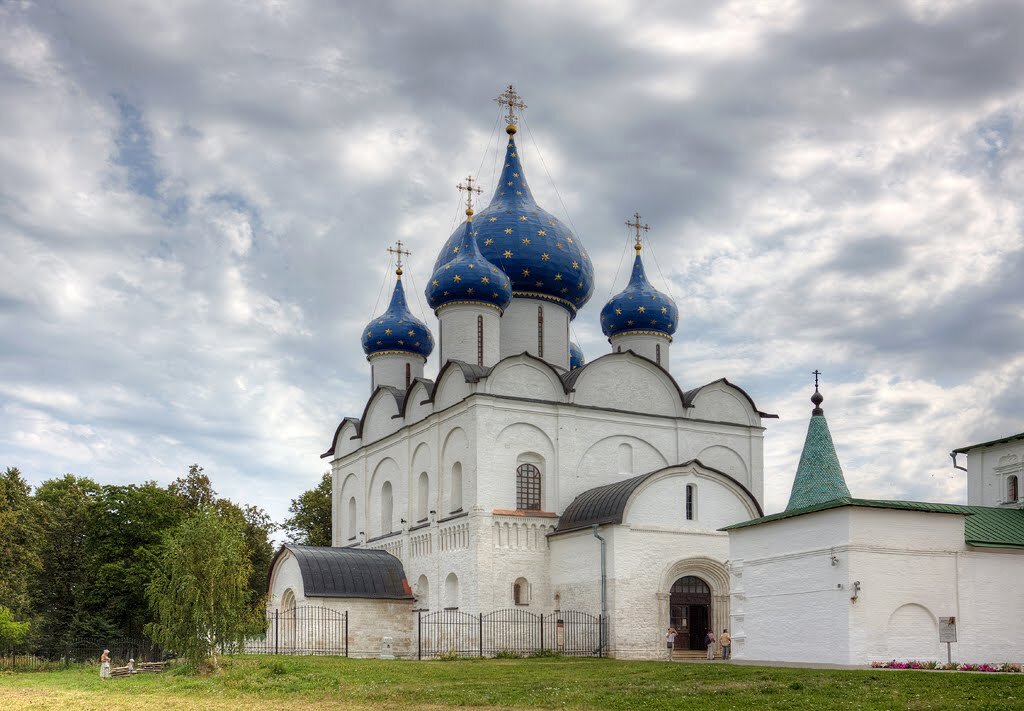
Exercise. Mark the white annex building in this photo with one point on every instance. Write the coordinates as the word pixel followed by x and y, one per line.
pixel 524 478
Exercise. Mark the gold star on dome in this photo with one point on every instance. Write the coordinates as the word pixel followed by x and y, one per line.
pixel 485 280
pixel 545 257
pixel 526 240
pixel 565 289
pixel 492 219
pixel 575 264
pixel 401 343
pixel 629 323
pixel 642 309
pixel 469 291
pixel 471 266
pixel 519 192
pixel 551 222
pixel 474 233
pixel 541 233
pixel 522 218
pixel 494 295
pixel 455 249
pixel 508 165
pixel 558 277
pixel 488 242
pixel 436 282
pixel 380 343
pixel 559 245
pixel 618 312
pixel 508 230
pixel 654 322
pixel 538 284
pixel 508 253
pixel 664 309
pixel 387 331
pixel 457 279
pixel 369 334
pixel 446 293
pixel 526 272
pixel 569 240
pixel 417 344
pixel 515 175
pixel 515 155
pixel 670 324
pixel 509 183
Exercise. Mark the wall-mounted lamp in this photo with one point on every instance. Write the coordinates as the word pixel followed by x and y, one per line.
pixel 856 591
pixel 835 560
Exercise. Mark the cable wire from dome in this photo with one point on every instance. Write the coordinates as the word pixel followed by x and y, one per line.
pixel 383 283
pixel 550 179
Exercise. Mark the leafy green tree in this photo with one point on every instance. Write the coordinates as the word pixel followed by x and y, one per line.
pixel 195 490
pixel 19 542
pixel 310 521
pixel 12 632
pixel 199 594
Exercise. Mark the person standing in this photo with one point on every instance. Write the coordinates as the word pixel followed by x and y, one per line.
pixel 105 664
pixel 726 641
pixel 670 641
pixel 709 639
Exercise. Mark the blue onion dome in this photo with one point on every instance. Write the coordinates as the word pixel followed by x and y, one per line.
pixel 469 278
pixel 639 308
pixel 541 256
pixel 576 359
pixel 397 330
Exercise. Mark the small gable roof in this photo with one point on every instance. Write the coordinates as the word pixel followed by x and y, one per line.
pixel 1004 440
pixel 348 572
pixel 690 395
pixel 985 526
pixel 607 504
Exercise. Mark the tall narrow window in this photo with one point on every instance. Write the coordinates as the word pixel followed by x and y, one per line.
pixel 422 497
pixel 387 505
pixel 408 375
pixel 691 501
pixel 352 518
pixel 540 331
pixel 657 353
pixel 528 487
pixel 1011 489
pixel 479 340
pixel 456 488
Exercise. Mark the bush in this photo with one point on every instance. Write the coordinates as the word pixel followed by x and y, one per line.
pixel 508 654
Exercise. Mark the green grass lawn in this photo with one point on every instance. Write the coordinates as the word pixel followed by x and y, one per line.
pixel 331 682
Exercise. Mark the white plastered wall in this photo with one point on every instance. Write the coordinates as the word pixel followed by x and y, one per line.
pixel 988 469
pixel 519 331
pixel 649 345
pixel 459 328
pixel 390 369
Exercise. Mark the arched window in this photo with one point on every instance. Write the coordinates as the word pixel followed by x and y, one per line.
pixel 540 331
pixel 521 592
pixel 528 487
pixel 451 592
pixel 657 353
pixel 285 627
pixel 387 507
pixel 456 491
pixel 691 502
pixel 625 459
pixel 479 340
pixel 352 518
pixel 423 593
pixel 422 496
pixel 1012 494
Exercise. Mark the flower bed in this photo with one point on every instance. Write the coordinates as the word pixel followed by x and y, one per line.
pixel 953 666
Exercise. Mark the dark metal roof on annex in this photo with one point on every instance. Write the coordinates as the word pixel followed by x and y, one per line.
pixel 990 443
pixel 606 505
pixel 348 572
pixel 985 526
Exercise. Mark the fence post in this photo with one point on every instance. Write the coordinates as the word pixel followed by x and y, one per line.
pixel 600 635
pixel 542 631
pixel 419 634
pixel 277 629
pixel 346 633
pixel 481 635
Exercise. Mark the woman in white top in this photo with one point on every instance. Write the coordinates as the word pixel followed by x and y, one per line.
pixel 670 640
pixel 105 664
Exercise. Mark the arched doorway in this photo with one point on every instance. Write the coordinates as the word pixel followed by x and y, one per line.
pixel 689 607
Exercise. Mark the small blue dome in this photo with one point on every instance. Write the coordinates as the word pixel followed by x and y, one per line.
pixel 541 256
pixel 397 330
pixel 576 359
pixel 639 308
pixel 469 277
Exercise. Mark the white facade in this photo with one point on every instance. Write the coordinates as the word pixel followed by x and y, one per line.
pixel 995 473
pixel 396 370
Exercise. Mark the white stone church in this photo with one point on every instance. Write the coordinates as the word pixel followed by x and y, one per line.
pixel 523 477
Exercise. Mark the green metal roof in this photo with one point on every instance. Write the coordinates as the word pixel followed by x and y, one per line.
pixel 984 526
pixel 819 478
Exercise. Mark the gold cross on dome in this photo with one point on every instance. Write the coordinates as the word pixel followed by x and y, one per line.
pixel 637 225
pixel 510 99
pixel 469 189
pixel 397 249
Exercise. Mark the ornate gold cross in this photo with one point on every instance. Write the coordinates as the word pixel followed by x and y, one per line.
pixel 637 225
pixel 514 102
pixel 469 189
pixel 397 249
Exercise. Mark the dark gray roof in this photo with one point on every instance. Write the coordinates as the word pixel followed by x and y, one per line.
pixel 607 504
pixel 348 572
pixel 1004 440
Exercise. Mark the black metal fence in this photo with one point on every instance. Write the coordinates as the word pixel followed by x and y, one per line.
pixel 302 630
pixel 510 631
pixel 38 657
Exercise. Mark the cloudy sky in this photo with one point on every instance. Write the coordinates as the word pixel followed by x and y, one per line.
pixel 195 199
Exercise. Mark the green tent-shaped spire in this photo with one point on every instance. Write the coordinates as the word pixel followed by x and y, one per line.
pixel 819 478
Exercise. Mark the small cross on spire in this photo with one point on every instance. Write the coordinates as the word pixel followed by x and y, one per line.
pixel 514 102
pixel 397 249
pixel 816 373
pixel 469 189
pixel 637 225
pixel 817 398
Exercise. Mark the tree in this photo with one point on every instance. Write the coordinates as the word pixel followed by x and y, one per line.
pixel 12 633
pixel 199 593
pixel 310 522
pixel 19 541
pixel 194 489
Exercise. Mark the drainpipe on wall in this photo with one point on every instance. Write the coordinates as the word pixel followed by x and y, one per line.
pixel 604 578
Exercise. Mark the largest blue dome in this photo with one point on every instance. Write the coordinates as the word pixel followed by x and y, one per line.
pixel 397 330
pixel 541 256
pixel 639 308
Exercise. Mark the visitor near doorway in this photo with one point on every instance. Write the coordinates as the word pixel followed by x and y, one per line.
pixel 726 641
pixel 710 640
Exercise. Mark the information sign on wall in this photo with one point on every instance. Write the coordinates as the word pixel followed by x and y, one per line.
pixel 947 629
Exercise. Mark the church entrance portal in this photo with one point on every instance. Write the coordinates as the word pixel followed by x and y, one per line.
pixel 690 611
